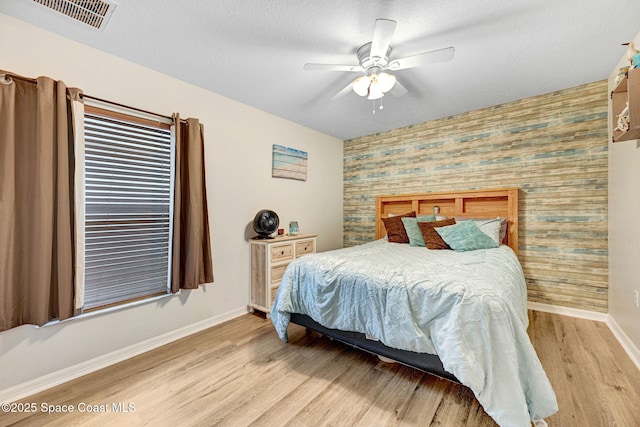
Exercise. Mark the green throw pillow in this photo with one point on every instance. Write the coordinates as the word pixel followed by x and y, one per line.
pixel 466 236
pixel 413 231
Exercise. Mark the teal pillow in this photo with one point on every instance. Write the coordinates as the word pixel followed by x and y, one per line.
pixel 466 236
pixel 413 231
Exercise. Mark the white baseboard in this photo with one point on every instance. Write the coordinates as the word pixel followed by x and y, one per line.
pixel 568 311
pixel 53 379
pixel 629 347
pixel 632 350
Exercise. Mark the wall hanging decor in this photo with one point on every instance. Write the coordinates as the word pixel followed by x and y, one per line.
pixel 289 163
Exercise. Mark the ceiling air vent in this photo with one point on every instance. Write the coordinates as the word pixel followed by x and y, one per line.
pixel 91 12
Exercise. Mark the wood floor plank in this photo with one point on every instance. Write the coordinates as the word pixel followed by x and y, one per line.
pixel 547 344
pixel 344 401
pixel 580 373
pixel 424 401
pixel 454 408
pixel 388 408
pixel 258 395
pixel 239 373
pixel 611 388
pixel 297 399
pixel 594 383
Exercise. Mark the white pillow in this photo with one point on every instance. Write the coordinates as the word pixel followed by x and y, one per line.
pixel 491 228
pixel 496 228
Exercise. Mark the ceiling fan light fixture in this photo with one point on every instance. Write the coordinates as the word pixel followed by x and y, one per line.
pixel 385 82
pixel 373 60
pixel 361 85
pixel 375 92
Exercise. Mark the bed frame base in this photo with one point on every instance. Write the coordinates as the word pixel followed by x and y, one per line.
pixel 429 363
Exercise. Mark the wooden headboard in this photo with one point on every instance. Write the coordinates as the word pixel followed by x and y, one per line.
pixel 502 202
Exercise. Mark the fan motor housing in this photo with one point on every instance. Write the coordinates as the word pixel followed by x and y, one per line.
pixel 372 65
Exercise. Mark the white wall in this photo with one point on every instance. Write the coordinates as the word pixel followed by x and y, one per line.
pixel 238 144
pixel 624 229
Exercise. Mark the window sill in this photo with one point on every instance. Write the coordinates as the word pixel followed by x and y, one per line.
pixel 108 310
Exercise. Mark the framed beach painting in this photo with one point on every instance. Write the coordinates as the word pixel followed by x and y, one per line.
pixel 289 163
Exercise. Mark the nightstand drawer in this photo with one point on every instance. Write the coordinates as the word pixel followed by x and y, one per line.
pixel 281 252
pixel 277 272
pixel 305 247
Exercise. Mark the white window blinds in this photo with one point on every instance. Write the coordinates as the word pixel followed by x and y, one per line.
pixel 128 208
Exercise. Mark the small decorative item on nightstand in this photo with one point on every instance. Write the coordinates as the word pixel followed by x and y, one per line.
pixel 293 228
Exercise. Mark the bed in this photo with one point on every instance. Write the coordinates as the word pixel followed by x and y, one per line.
pixel 460 315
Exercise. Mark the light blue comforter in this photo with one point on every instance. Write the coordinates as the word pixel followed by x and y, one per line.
pixel 469 308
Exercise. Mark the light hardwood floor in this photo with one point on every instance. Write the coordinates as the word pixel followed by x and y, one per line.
pixel 239 373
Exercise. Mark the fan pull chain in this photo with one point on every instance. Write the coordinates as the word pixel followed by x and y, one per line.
pixel 374 106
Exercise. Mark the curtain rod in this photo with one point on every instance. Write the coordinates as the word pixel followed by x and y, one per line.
pixel 10 76
pixel 95 98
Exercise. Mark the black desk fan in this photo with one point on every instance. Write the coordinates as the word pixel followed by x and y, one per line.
pixel 265 223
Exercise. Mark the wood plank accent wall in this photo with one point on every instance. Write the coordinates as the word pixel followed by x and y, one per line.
pixel 553 147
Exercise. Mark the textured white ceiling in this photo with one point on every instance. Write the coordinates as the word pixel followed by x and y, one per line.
pixel 253 51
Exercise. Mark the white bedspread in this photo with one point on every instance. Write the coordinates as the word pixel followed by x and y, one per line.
pixel 469 308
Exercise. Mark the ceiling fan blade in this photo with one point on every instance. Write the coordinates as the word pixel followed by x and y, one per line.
pixel 333 67
pixel 398 90
pixel 343 92
pixel 382 33
pixel 425 58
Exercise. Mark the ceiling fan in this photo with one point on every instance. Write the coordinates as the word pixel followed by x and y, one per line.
pixel 374 62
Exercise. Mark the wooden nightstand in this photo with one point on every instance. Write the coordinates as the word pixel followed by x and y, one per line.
pixel 269 259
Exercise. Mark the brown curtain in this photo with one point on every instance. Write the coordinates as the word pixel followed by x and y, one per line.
pixel 192 264
pixel 36 201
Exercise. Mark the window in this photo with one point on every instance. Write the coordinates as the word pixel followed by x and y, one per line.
pixel 128 199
